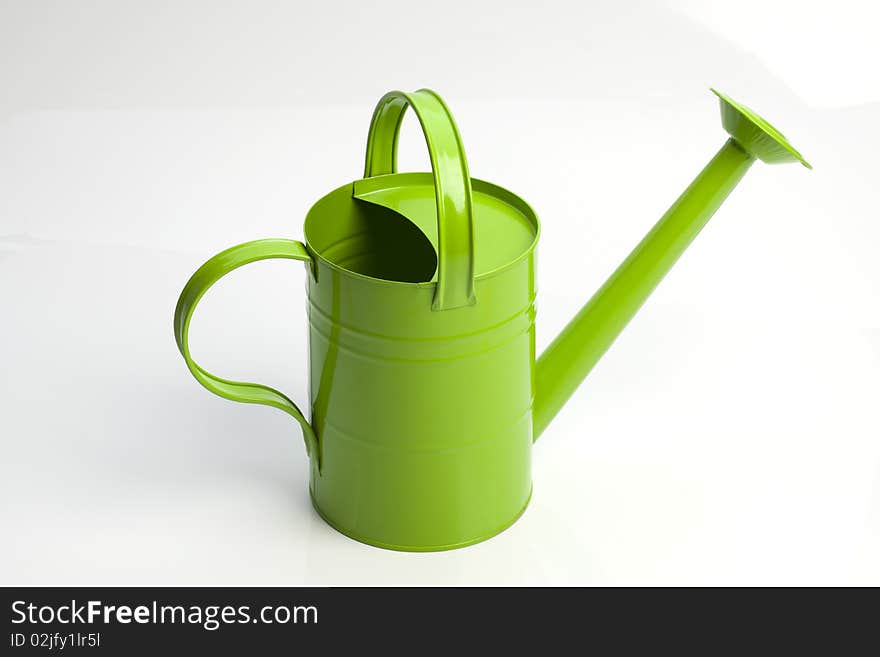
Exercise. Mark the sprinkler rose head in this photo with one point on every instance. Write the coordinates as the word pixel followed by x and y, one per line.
pixel 755 134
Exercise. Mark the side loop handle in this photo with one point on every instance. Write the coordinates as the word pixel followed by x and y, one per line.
pixel 452 185
pixel 208 274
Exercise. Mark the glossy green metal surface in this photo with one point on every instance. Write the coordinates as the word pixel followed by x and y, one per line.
pixel 425 391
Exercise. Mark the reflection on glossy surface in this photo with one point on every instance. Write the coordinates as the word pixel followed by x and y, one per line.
pixel 322 368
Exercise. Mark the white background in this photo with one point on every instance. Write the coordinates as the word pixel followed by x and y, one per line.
pixel 730 436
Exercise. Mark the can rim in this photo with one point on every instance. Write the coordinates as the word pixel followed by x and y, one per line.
pixel 479 185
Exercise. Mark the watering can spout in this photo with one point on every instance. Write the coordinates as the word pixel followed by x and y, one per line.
pixel 574 352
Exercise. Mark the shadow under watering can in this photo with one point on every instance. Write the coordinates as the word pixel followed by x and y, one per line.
pixel 426 392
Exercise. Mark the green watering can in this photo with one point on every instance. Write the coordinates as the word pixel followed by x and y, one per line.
pixel 426 393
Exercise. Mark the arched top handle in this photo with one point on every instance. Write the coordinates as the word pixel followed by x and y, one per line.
pixel 452 185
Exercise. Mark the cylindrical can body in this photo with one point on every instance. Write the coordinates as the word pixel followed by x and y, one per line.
pixel 423 418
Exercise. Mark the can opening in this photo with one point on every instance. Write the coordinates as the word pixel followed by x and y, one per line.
pixel 371 240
